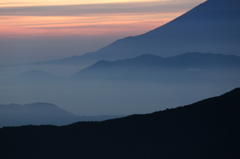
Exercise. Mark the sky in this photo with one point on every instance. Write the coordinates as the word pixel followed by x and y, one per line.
pixel 38 30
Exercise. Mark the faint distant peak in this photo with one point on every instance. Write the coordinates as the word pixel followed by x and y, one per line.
pixel 40 104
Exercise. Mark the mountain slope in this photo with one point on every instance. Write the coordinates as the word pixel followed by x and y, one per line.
pixel 206 129
pixel 187 67
pixel 34 114
pixel 210 27
pixel 41 114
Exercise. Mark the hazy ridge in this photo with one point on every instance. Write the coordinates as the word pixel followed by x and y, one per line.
pixel 209 27
pixel 42 114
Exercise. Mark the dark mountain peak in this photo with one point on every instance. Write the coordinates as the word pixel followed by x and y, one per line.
pixel 231 96
pixel 234 93
pixel 236 90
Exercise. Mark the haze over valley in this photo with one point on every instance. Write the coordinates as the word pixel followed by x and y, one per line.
pixel 138 85
pixel 192 57
pixel 118 79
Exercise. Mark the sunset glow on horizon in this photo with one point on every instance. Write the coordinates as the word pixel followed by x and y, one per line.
pixel 9 3
pixel 38 30
pixel 23 18
pixel 60 26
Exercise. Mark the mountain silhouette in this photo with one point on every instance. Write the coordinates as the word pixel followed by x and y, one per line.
pixel 212 26
pixel 41 114
pixel 187 67
pixel 205 129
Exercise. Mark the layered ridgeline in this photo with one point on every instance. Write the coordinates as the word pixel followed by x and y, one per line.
pixel 189 67
pixel 206 129
pixel 41 114
pixel 213 27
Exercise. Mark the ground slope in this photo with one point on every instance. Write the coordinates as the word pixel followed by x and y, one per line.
pixel 206 129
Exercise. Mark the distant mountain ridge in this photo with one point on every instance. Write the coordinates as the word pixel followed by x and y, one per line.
pixel 41 114
pixel 205 129
pixel 153 67
pixel 212 26
pixel 193 59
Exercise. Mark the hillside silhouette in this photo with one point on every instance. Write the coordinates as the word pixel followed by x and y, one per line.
pixel 205 129
pixel 212 26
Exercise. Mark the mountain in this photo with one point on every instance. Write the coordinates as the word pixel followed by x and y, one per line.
pixel 41 114
pixel 205 129
pixel 186 67
pixel 212 26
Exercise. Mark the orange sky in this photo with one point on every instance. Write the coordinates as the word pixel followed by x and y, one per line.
pixel 21 18
pixel 40 30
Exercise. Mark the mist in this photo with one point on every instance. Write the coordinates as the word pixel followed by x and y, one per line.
pixel 19 50
pixel 105 97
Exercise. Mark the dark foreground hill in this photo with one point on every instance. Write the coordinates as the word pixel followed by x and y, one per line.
pixel 207 129
pixel 41 114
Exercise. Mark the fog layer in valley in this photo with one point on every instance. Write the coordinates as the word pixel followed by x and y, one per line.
pixel 108 97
